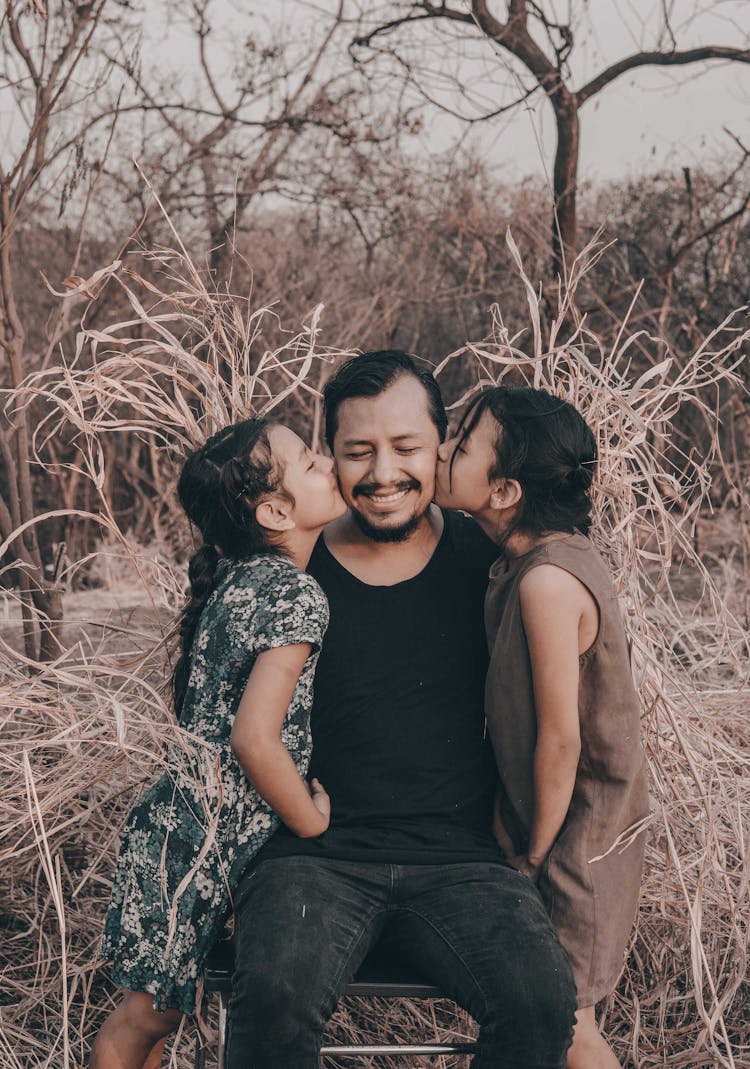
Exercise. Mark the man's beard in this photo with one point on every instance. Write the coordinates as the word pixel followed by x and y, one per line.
pixel 388 534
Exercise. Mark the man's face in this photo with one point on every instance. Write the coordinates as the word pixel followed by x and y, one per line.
pixel 385 450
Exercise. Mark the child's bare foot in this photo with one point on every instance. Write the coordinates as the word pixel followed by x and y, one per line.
pixel 590 1050
pixel 133 1035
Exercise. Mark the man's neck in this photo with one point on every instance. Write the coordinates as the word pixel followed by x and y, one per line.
pixel 298 546
pixel 384 563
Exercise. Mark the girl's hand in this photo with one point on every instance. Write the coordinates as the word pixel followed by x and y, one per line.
pixel 522 864
pixel 321 801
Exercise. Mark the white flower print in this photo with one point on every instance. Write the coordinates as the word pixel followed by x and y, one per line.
pixel 204 885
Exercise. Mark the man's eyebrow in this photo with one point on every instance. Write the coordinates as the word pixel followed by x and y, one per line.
pixel 395 438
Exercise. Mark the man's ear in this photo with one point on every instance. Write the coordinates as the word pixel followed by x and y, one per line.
pixel 275 514
pixel 505 494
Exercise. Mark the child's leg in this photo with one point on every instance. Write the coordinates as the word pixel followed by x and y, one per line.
pixel 154 1059
pixel 128 1037
pixel 590 1050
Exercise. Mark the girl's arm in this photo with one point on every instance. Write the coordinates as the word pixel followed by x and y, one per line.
pixel 501 833
pixel 553 605
pixel 256 740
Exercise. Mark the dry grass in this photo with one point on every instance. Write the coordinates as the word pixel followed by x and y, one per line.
pixel 82 735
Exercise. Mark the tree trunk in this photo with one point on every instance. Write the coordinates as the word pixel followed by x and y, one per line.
pixel 564 223
pixel 35 591
pixel 48 603
pixel 28 619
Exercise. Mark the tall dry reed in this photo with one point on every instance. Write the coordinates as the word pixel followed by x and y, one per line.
pixel 81 736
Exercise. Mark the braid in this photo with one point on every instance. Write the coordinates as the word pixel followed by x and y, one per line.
pixel 201 574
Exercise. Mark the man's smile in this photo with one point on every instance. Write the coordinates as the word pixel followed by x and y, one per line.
pixel 386 497
pixel 390 498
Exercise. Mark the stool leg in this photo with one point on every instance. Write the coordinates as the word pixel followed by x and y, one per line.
pixel 200 1038
pixel 200 1051
pixel 222 1044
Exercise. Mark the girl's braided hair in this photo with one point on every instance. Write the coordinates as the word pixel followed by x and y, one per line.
pixel 219 488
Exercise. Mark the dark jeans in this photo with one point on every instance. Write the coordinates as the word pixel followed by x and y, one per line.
pixel 479 931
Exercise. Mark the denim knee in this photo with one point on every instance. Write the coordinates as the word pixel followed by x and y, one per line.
pixel 554 1006
pixel 268 1003
pixel 529 1025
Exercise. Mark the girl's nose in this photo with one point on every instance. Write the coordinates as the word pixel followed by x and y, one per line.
pixel 444 450
pixel 326 464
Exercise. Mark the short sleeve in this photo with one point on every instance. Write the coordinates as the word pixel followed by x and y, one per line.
pixel 291 609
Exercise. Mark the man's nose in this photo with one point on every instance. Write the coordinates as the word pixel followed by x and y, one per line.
pixel 384 467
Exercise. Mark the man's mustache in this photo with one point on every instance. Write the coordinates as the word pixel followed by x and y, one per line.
pixel 372 488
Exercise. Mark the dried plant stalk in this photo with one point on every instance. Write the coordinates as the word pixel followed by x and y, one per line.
pixel 81 736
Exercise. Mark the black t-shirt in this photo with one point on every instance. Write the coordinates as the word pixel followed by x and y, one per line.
pixel 399 736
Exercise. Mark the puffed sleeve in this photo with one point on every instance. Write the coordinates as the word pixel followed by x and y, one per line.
pixel 291 608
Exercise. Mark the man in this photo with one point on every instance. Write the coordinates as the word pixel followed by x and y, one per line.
pixel 399 744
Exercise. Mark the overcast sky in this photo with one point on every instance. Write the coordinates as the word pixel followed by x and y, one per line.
pixel 645 120
pixel 653 117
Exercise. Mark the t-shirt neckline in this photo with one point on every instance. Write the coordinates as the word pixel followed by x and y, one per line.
pixel 389 586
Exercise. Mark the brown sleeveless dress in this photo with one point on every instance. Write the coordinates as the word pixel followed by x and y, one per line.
pixel 592 899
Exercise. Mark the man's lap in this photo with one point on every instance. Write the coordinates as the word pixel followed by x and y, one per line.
pixel 483 918
pixel 478 931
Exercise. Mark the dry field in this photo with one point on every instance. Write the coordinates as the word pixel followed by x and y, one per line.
pixel 82 735
pixel 56 877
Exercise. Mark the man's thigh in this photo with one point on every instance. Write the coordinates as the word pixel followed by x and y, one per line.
pixel 302 928
pixel 481 933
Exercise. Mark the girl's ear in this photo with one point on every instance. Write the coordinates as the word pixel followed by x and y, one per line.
pixel 505 494
pixel 275 514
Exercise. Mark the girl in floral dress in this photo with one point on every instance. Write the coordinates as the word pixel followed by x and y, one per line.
pixel 251 633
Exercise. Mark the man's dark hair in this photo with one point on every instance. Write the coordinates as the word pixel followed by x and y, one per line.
pixel 369 375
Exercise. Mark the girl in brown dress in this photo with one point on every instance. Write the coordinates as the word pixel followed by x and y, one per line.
pixel 561 706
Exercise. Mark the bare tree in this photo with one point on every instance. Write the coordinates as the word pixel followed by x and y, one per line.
pixel 272 108
pixel 539 46
pixel 46 70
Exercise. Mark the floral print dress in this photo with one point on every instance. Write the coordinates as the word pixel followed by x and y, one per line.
pixel 190 837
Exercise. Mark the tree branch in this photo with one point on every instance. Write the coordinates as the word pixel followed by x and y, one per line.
pixel 660 59
pixel 380 31
pixel 708 232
